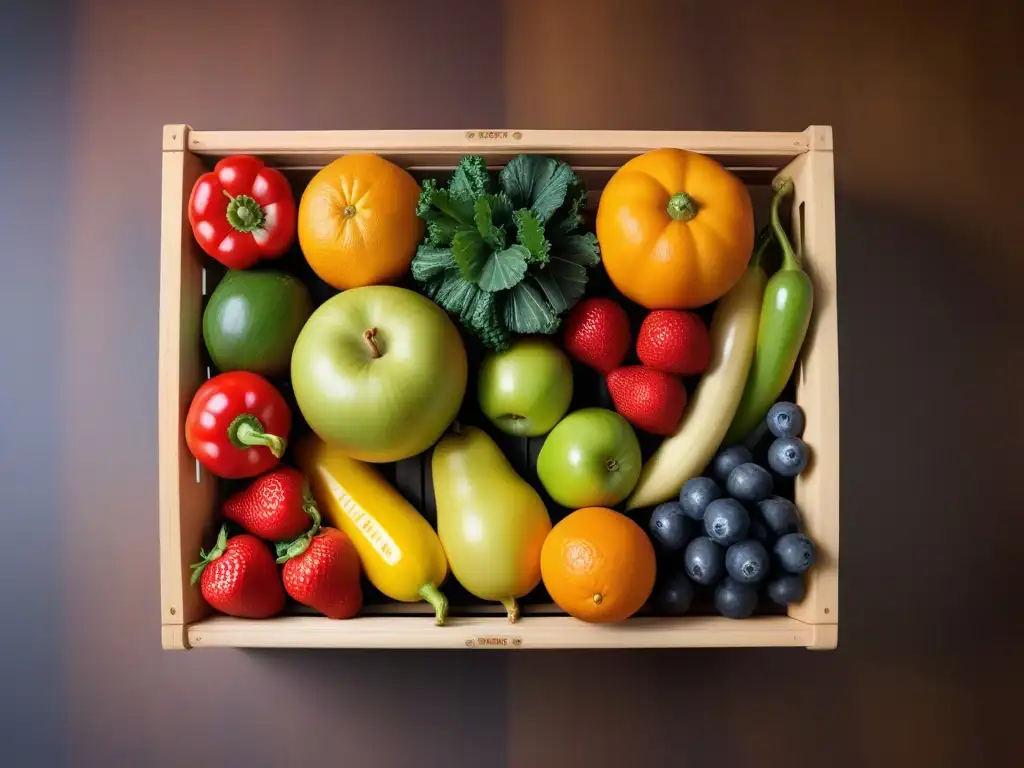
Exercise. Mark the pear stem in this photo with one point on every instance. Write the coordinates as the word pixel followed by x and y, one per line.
pixel 511 608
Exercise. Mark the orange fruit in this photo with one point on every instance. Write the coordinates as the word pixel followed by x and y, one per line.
pixel 598 565
pixel 676 229
pixel 357 221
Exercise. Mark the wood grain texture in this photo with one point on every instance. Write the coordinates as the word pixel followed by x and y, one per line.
pixel 818 496
pixel 534 633
pixel 187 492
pixel 817 378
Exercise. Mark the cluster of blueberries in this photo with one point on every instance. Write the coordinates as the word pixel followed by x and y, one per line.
pixel 728 531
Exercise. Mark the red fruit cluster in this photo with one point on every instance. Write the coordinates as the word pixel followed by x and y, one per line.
pixel 670 343
pixel 321 568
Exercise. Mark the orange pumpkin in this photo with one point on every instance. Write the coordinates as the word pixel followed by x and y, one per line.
pixel 676 229
pixel 357 221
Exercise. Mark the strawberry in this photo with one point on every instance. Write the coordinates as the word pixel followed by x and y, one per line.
pixel 239 577
pixel 322 571
pixel 674 341
pixel 275 506
pixel 648 399
pixel 597 334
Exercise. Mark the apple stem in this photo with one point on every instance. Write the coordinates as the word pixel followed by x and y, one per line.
pixel 370 335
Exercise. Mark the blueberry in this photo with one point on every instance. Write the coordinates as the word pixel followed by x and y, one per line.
pixel 674 595
pixel 747 561
pixel 780 515
pixel 786 589
pixel 726 461
pixel 759 532
pixel 734 600
pixel 787 456
pixel 670 529
pixel 785 420
pixel 697 493
pixel 704 561
pixel 726 521
pixel 749 482
pixel 795 552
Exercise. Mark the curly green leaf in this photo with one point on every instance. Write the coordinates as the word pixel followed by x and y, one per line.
pixel 492 234
pixel 471 179
pixel 430 263
pixel 530 234
pixel 470 253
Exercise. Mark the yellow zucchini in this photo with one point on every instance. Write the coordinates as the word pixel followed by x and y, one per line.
pixel 399 550
pixel 686 452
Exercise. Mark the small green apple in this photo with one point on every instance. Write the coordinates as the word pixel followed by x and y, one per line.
pixel 526 389
pixel 379 371
pixel 590 459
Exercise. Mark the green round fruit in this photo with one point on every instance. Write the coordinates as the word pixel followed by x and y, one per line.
pixel 590 459
pixel 252 320
pixel 380 372
pixel 526 389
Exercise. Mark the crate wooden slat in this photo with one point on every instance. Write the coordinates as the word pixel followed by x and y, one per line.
pixel 188 496
pixel 538 632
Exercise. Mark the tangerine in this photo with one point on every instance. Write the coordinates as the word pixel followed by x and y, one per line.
pixel 357 221
pixel 598 565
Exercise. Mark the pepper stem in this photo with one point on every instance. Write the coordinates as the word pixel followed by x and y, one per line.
pixel 681 207
pixel 436 598
pixel 783 187
pixel 764 239
pixel 213 554
pixel 244 214
pixel 370 336
pixel 246 431
pixel 511 608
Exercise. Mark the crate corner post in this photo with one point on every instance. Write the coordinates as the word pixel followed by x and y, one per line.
pixel 186 495
pixel 817 379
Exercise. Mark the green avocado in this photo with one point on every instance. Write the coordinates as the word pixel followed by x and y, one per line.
pixel 252 320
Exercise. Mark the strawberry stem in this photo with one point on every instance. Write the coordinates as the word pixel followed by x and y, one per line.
pixel 286 550
pixel 213 554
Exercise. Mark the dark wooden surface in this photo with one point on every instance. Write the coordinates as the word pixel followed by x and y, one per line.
pixel 922 96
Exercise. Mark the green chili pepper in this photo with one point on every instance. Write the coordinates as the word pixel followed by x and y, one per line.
pixel 785 315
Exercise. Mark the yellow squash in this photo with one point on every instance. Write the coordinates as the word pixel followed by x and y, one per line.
pixel 400 552
pixel 492 522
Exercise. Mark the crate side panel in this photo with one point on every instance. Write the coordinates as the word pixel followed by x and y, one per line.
pixel 186 496
pixel 540 632
pixel 817 382
pixel 726 143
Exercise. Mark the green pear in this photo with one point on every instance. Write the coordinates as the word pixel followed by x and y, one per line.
pixel 492 523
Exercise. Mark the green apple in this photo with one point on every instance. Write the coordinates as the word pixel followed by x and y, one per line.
pixel 526 389
pixel 379 371
pixel 590 459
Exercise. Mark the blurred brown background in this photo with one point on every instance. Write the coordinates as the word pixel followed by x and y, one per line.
pixel 920 95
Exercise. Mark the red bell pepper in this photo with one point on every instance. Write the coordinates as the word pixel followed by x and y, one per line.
pixel 238 425
pixel 242 212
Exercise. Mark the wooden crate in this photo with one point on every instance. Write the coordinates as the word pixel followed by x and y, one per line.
pixel 189 494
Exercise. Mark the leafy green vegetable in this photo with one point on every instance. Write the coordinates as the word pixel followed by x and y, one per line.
pixel 504 269
pixel 530 233
pixel 506 258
